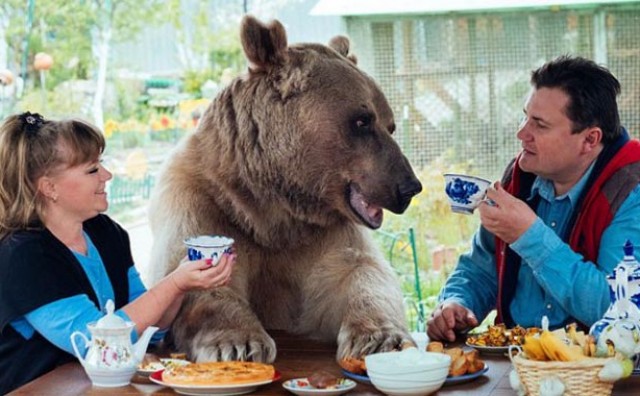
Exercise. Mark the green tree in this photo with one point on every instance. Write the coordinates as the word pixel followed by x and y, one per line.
pixel 78 34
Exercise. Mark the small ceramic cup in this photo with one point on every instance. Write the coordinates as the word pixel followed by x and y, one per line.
pixel 208 247
pixel 465 192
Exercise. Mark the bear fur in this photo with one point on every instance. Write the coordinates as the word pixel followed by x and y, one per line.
pixel 295 161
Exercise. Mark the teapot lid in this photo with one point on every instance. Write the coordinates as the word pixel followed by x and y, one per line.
pixel 110 320
pixel 628 248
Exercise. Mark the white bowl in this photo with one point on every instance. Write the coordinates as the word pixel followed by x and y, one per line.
pixel 110 378
pixel 412 378
pixel 410 360
pixel 408 373
pixel 422 390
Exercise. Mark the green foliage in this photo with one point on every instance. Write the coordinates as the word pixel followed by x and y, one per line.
pixel 65 29
pixel 127 103
pixel 194 79
pixel 199 37
pixel 56 103
pixel 435 227
pixel 225 58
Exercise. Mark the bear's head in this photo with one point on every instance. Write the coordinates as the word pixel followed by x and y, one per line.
pixel 307 135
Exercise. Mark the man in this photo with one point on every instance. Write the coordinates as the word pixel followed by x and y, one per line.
pixel 563 211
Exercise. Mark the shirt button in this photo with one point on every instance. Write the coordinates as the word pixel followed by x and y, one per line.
pixel 553 224
pixel 548 306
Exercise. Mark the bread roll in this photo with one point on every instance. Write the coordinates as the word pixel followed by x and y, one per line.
pixel 475 364
pixel 354 365
pixel 435 346
pixel 454 352
pixel 459 366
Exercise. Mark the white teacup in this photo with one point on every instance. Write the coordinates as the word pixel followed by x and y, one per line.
pixel 465 192
pixel 208 247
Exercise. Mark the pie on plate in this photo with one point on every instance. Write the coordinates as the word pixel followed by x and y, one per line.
pixel 218 373
pixel 212 390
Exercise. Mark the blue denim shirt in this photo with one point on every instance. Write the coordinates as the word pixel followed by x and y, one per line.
pixel 554 280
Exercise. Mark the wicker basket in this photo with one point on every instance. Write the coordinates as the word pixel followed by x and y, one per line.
pixel 580 378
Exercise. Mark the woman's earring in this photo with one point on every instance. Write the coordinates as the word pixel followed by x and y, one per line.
pixel 54 198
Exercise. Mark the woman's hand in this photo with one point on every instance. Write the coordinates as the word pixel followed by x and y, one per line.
pixel 200 274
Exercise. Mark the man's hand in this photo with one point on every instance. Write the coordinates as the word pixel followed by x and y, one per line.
pixel 507 217
pixel 448 319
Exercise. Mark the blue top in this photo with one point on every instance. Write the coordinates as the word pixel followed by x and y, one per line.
pixel 57 320
pixel 553 280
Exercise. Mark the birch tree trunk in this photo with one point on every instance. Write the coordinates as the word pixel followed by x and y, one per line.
pixel 102 51
pixel 102 45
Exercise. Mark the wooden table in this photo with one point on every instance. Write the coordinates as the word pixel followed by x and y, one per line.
pixel 297 358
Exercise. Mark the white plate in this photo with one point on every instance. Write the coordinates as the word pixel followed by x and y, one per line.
pixel 219 390
pixel 461 379
pixel 301 387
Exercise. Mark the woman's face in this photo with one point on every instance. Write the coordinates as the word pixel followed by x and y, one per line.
pixel 79 191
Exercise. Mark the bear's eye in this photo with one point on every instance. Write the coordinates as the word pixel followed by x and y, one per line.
pixel 362 124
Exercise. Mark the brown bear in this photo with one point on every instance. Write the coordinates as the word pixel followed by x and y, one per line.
pixel 295 161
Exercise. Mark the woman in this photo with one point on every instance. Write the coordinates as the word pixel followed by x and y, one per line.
pixel 60 258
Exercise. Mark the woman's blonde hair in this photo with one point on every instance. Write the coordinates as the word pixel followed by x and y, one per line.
pixel 31 147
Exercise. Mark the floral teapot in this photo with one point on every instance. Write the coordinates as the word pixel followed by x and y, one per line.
pixel 110 346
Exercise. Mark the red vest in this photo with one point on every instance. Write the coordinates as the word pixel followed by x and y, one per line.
pixel 618 177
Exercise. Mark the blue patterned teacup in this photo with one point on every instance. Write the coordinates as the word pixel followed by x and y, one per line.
pixel 208 247
pixel 465 192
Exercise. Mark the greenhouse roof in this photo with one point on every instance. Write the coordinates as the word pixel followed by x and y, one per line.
pixel 389 7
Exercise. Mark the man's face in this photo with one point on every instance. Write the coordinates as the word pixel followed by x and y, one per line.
pixel 549 148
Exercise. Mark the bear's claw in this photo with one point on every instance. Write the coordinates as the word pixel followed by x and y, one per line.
pixel 359 343
pixel 234 345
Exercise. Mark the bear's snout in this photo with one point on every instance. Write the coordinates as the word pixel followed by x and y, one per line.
pixel 407 190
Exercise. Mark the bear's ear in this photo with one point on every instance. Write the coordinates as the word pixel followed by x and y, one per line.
pixel 264 45
pixel 341 45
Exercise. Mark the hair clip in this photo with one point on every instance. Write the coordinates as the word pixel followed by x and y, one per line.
pixel 31 122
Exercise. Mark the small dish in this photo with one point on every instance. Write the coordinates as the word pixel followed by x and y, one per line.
pixel 363 378
pixel 301 387
pixel 161 365
pixel 461 379
pixel 218 390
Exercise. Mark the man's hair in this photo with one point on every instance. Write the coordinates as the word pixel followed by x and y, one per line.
pixel 592 91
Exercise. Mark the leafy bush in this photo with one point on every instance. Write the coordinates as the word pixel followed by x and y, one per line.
pixel 435 228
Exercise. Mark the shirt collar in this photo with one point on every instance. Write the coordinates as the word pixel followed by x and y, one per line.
pixel 544 188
